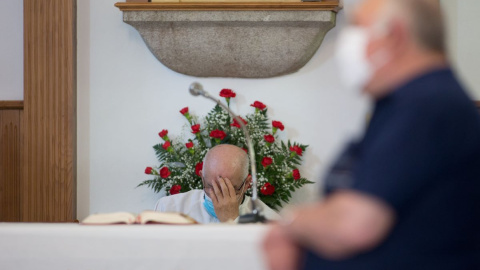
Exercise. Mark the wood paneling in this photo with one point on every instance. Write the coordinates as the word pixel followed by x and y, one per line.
pixel 10 150
pixel 48 183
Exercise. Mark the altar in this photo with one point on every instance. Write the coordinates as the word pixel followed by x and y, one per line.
pixel 73 246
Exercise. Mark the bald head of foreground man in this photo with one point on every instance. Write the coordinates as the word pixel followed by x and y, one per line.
pixel 408 39
pixel 407 194
pixel 399 39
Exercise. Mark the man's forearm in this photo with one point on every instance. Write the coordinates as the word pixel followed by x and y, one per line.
pixel 316 228
pixel 341 226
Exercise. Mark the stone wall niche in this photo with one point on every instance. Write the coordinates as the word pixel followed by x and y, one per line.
pixel 222 40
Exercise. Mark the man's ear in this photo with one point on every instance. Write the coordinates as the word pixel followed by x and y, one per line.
pixel 201 176
pixel 248 181
pixel 399 36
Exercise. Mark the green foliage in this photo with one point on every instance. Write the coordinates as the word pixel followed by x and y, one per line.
pixel 181 162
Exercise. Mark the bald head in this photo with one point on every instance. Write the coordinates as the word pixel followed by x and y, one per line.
pixel 228 161
pixel 423 19
pixel 405 39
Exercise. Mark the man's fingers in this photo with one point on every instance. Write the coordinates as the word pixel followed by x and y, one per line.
pixel 217 191
pixel 212 196
pixel 226 205
pixel 223 186
pixel 231 189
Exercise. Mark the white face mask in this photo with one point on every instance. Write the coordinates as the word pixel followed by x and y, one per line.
pixel 351 56
pixel 356 70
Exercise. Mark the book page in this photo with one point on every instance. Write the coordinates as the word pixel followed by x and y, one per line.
pixel 165 218
pixel 110 218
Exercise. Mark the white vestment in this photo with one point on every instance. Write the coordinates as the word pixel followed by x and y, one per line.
pixel 191 204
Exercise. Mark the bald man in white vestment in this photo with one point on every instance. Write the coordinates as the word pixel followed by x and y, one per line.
pixel 225 179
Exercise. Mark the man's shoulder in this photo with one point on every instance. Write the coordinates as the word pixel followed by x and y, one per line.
pixel 435 99
pixel 438 90
pixel 192 194
pixel 177 201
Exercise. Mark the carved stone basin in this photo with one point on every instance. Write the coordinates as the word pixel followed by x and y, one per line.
pixel 232 43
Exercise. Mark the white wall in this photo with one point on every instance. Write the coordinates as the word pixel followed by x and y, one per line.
pixel 11 50
pixel 83 108
pixel 125 96
pixel 468 44
pixel 128 97
pixel 464 40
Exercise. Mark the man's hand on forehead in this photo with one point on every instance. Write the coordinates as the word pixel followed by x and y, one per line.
pixel 224 199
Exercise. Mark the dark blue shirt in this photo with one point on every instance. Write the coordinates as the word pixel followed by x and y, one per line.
pixel 421 156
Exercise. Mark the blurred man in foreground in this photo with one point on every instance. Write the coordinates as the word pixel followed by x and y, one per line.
pixel 225 180
pixel 407 196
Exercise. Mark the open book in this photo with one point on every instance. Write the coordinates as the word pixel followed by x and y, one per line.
pixel 146 217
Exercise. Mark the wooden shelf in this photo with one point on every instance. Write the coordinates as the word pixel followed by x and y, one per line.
pixel 324 5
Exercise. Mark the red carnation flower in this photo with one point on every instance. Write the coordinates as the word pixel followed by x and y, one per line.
pixel 236 124
pixel 278 124
pixel 269 138
pixel 198 168
pixel 148 170
pixel 166 145
pixel 196 128
pixel 227 93
pixel 175 189
pixel 267 161
pixel 164 172
pixel 184 110
pixel 245 149
pixel 189 145
pixel 218 134
pixel 267 189
pixel 296 149
pixel 296 174
pixel 163 133
pixel 259 105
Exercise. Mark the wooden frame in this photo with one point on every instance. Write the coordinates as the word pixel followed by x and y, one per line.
pixel 48 185
pixel 10 160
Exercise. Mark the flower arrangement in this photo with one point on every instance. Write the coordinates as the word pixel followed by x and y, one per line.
pixel 181 160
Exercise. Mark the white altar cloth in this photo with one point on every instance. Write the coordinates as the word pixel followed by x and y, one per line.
pixel 77 247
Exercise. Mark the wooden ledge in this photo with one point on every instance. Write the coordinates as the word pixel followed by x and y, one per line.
pixel 11 104
pixel 324 5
